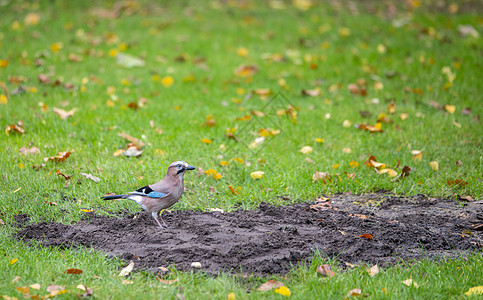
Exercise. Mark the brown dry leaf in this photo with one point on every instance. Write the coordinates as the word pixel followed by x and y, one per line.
pixel 64 114
pixel 313 93
pixel 127 270
pixel 15 128
pixel 60 157
pixel 87 291
pixel 54 288
pixel 417 155
pixel 373 270
pixel 262 92
pixel 232 190
pixel 322 176
pixel 325 270
pixel 63 175
pixel 321 206
pixel 38 167
pixel 246 70
pixel 131 139
pixel 367 236
pixel 43 78
pixel 210 121
pixel 391 108
pixel 27 151
pixel 271 284
pixel 465 198
pixel 73 271
pixel 350 266
pixel 373 129
pixel 435 104
pixel 457 182
pixel 133 105
pixel 166 281
pixel 359 216
pixel 91 177
pixel 353 292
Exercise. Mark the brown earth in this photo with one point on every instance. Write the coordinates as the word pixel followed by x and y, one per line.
pixel 270 239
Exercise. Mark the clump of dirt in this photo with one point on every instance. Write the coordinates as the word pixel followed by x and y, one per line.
pixel 269 240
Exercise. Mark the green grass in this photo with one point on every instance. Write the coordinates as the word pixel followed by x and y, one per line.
pixel 418 51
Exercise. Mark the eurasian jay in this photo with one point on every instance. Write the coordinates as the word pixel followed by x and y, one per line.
pixel 155 198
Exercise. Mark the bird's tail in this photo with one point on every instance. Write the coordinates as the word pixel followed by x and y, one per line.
pixel 113 197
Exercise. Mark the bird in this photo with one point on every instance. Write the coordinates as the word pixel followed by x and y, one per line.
pixel 157 197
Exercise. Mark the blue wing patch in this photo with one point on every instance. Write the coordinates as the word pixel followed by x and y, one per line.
pixel 154 194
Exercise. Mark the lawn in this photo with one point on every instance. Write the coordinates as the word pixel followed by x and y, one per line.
pixel 304 93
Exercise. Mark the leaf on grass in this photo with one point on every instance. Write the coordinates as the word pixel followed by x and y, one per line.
pixel 73 271
pixel 353 293
pixel 410 282
pixel 35 286
pixel 64 114
pixel 306 150
pixel 43 78
pixel 127 270
pixel 246 70
pixel 457 182
pixel 54 288
pixel 15 128
pixel 476 290
pixel 207 141
pixel 434 165
pixel 313 93
pixel 60 157
pixel 417 155
pixel 373 270
pixel 367 236
pixel 127 282
pixel 131 139
pixel 213 173
pixel 167 81
pixel 257 174
pixel 271 284
pixel 390 172
pixel 371 128
pixel 87 291
pixel 283 290
pixel 232 190
pixel 91 177
pixel 450 108
pixel 24 290
pixel 230 296
pixel 322 176
pixel 325 270
pixel 166 281
pixel 12 261
pixel 28 151
pixel 132 150
pixel 63 175
pixel 129 61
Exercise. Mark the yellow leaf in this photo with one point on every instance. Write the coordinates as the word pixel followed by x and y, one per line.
pixel 3 63
pixel 35 286
pixel 403 116
pixel 206 141
pixel 12 261
pixel 335 166
pixel 118 152
pixel 167 81
pixel 217 176
pixel 450 108
pixel 344 32
pixel 32 19
pixel 381 48
pixel 87 210
pixel 346 150
pixel 354 164
pixel 231 296
pixel 319 140
pixel 55 47
pixel 347 123
pixel 243 52
pixel 306 149
pixel 477 290
pixel 417 155
pixel 238 160
pixel 110 103
pixel 283 290
pixel 3 99
pixel 224 163
pixel 257 174
pixel 389 172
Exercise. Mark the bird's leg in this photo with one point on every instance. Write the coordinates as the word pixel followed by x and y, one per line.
pixel 155 216
pixel 164 223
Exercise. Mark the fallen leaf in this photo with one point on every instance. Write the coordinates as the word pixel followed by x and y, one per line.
pixel 35 286
pixel 127 270
pixel 129 61
pixel 246 70
pixel 321 206
pixel 43 78
pixel 230 296
pixel 417 155
pixel 124 281
pixel 53 288
pixel 15 128
pixel 283 290
pixel 232 190
pixel 63 175
pixel 391 108
pixel 306 149
pixel 376 128
pixel 359 216
pixel 350 266
pixel 373 270
pixel 465 198
pixel 169 282
pixel 403 116
pixel 410 282
pixel 167 81
pixel 60 157
pixel 196 265
pixel 91 177
pixel 271 284
pixel 28 151
pixel 131 139
pixel 64 114
pixel 213 173
pixel 73 271
pixel 367 236
pixel 132 151
pixel 322 176
pixel 434 165
pixel 257 174
pixel 353 292
pixel 390 172
pixel 450 108
pixel 206 141
pixel 476 290
pixel 87 291
pixel 457 182
pixel 325 270
pixel 24 290
pixel 313 93
pixel 12 261
pixel 87 210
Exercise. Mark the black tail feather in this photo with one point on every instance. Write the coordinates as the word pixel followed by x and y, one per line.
pixel 112 197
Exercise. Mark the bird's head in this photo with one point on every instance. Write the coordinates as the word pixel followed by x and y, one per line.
pixel 178 168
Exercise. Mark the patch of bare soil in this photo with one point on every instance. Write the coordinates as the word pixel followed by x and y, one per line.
pixel 270 239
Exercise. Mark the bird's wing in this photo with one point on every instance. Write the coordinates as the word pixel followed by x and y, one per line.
pixel 148 192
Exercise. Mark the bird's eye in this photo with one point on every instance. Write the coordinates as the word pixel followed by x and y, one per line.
pixel 179 166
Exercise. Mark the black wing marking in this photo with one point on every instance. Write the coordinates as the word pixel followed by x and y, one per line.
pixel 145 190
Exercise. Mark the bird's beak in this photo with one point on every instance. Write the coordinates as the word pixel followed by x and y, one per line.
pixel 190 168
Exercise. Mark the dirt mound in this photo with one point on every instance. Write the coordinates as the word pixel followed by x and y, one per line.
pixel 271 239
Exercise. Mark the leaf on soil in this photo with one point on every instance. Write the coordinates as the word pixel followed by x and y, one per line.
pixel 350 266
pixel 359 216
pixel 410 282
pixel 91 177
pixel 271 284
pixel 476 290
pixel 60 157
pixel 73 271
pixel 434 165
pixel 64 114
pixel 465 198
pixel 87 291
pixel 131 139
pixel 283 290
pixel 15 128
pixel 129 61
pixel 28 151
pixel 257 174
pixel 321 206
pixel 373 270
pixel 322 176
pixel 325 270
pixel 246 70
pixel 353 293
pixel 127 270
pixel 457 182
pixel 367 236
